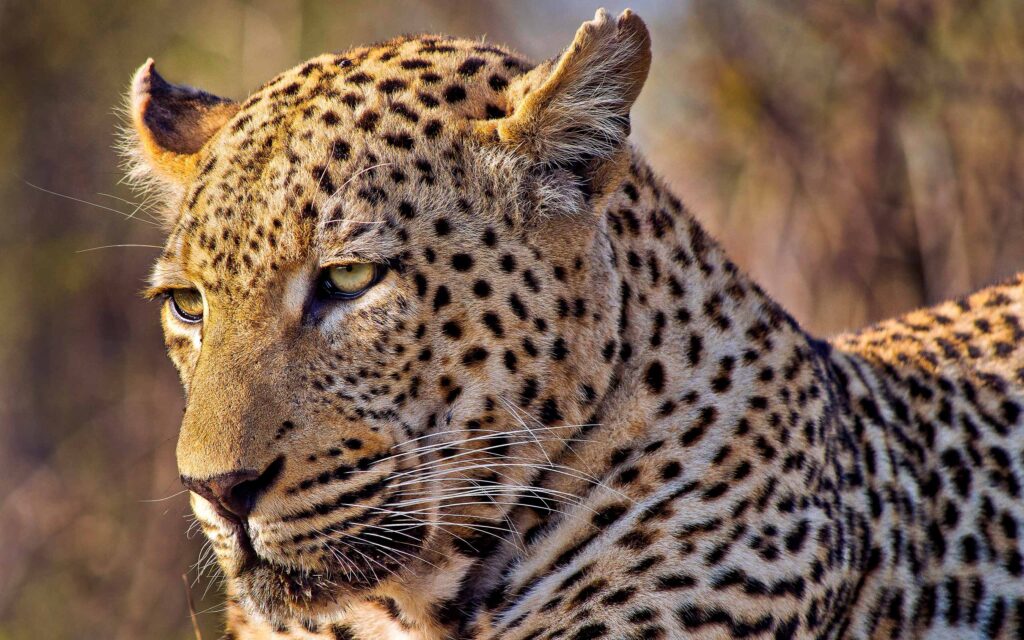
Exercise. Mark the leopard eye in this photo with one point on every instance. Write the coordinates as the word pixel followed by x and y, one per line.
pixel 351 280
pixel 187 305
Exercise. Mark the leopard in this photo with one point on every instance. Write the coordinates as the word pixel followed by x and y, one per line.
pixel 459 365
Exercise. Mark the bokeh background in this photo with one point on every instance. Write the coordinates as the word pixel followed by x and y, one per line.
pixel 859 158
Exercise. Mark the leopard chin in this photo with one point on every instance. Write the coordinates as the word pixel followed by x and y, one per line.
pixel 278 594
pixel 346 572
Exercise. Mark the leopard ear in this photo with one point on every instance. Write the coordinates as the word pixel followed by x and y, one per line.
pixel 573 113
pixel 169 125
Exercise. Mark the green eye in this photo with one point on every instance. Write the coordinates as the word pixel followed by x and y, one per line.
pixel 350 280
pixel 187 304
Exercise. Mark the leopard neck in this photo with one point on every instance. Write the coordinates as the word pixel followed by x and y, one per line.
pixel 705 363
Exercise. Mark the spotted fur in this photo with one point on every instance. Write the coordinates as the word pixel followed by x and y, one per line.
pixel 562 412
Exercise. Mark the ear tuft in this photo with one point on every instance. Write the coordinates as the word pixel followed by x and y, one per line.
pixel 577 116
pixel 169 125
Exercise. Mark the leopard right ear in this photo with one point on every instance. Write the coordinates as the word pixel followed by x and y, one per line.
pixel 573 113
pixel 169 125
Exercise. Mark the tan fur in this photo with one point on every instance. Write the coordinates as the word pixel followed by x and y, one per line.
pixel 561 412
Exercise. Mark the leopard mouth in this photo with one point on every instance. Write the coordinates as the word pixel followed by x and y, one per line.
pixel 348 568
pixel 293 566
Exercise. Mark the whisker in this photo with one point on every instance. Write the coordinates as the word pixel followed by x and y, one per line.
pixel 91 204
pixel 329 203
pixel 488 434
pixel 115 246
pixel 511 409
pixel 142 206
pixel 173 495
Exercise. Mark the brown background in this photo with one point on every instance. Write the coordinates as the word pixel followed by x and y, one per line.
pixel 859 161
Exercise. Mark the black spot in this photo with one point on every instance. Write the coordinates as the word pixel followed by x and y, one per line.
pixel 452 329
pixel 696 346
pixel 432 128
pixel 498 83
pixel 675 581
pixel 442 297
pixel 462 261
pixel 528 392
pixel 474 356
pixel 391 85
pixel 454 93
pixel 654 378
pixel 341 150
pixel 531 281
pixel 558 349
pixel 368 121
pixel 404 112
pixel 691 435
pixel 351 99
pixel 481 289
pixel 415 63
pixel 591 631
pixel 608 515
pixel 627 476
pixel 619 596
pixel 426 169
pixel 442 227
pixel 493 322
pixel 399 140
pixel 517 306
pixel 549 413
pixel 342 632
pixel 795 538
pixel 471 66
pixel 1011 412
pixel 670 470
pixel 426 99
pixel 641 616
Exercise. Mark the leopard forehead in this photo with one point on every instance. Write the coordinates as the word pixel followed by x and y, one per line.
pixel 325 153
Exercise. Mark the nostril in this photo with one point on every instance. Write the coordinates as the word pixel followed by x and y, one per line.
pixel 234 494
pixel 241 498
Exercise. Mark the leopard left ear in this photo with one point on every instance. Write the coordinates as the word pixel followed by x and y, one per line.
pixel 169 125
pixel 574 113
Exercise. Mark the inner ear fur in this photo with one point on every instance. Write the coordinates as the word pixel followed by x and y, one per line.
pixel 170 124
pixel 574 113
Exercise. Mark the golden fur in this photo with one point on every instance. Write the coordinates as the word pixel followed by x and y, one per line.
pixel 561 412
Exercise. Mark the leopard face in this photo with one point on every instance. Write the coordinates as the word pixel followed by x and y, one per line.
pixel 372 293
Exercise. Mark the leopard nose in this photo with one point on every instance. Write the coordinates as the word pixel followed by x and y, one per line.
pixel 234 494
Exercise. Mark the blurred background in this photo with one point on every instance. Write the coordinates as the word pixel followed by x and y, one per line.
pixel 858 158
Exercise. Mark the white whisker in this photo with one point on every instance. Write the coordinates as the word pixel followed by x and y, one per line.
pixel 116 246
pixel 91 204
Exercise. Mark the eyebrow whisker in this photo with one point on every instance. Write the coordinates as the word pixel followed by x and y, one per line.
pixel 329 202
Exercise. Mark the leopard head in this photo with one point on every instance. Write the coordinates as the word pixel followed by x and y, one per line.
pixel 387 287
